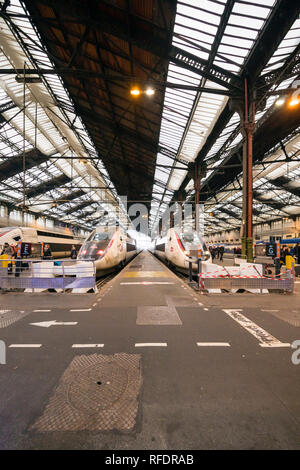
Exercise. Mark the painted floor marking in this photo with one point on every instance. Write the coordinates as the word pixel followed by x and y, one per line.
pixel 214 344
pixel 199 303
pixel 141 345
pixel 80 310
pixel 94 305
pixel 25 345
pixel 270 310
pixel 265 339
pixel 87 345
pixel 143 283
pixel 42 310
pixel 205 309
pixel 46 324
pixel 146 274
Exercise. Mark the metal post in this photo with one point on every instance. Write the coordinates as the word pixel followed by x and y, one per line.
pixel 197 182
pixel 24 145
pixel 247 126
pixel 190 271
pixel 63 271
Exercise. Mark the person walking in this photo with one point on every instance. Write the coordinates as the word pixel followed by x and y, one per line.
pixel 73 252
pixel 221 252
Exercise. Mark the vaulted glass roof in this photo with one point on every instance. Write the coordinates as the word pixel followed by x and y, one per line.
pixel 225 33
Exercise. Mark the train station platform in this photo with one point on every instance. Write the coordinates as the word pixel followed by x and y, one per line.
pixel 151 364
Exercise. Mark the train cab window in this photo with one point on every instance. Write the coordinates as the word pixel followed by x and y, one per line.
pixel 17 238
pixel 100 236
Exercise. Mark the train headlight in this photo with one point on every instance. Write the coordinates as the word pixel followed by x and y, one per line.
pixel 187 253
pixel 206 255
pixel 100 252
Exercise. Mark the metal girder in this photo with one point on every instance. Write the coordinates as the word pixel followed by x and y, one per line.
pixel 70 197
pixel 80 206
pixel 281 182
pixel 47 186
pixel 14 165
pixel 155 42
pixel 281 19
pixel 268 202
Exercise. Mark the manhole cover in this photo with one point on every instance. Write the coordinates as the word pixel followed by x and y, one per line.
pixel 96 392
pixel 87 394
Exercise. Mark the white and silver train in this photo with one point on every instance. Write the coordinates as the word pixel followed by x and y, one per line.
pixel 179 249
pixel 109 247
pixel 33 240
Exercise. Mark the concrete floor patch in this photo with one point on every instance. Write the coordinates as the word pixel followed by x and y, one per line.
pixel 152 315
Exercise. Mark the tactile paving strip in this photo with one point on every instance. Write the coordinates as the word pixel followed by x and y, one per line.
pixel 95 393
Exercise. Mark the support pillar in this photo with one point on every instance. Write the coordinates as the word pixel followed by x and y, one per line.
pixel 247 128
pixel 197 185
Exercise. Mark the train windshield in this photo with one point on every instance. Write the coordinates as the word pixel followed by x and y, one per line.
pixel 192 238
pixel 100 236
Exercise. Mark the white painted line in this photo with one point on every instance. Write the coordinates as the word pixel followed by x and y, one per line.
pixel 46 324
pixel 264 338
pixel 141 345
pixel 199 303
pixel 94 305
pixel 270 310
pixel 214 344
pixel 80 310
pixel 42 310
pixel 205 309
pixel 144 283
pixel 24 345
pixel 87 345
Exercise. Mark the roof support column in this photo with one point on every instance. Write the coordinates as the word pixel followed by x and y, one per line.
pixel 197 185
pixel 247 128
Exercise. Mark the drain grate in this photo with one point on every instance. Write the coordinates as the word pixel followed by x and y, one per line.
pixel 96 392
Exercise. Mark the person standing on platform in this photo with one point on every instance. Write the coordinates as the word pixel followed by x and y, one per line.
pixel 47 252
pixel 7 250
pixel 221 251
pixel 289 264
pixel 73 252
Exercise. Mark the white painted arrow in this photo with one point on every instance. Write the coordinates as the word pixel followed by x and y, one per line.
pixel 46 324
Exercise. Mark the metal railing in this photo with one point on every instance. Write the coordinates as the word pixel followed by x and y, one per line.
pixel 37 275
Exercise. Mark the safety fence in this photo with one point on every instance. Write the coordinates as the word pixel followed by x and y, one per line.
pixel 34 275
pixel 260 284
pixel 249 277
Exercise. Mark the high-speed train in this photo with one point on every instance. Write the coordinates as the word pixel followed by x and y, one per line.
pixel 179 249
pixel 109 247
pixel 33 239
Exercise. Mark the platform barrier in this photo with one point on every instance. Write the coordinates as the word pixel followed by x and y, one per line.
pixel 34 275
pixel 247 276
pixel 259 284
